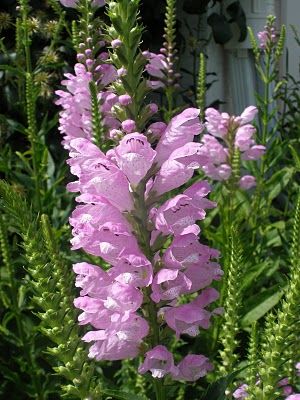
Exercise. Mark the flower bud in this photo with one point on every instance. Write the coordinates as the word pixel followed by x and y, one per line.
pixel 116 43
pixel 125 99
pixel 128 125
pixel 153 108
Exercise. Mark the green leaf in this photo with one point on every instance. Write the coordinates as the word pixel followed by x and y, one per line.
pixel 278 182
pixel 220 28
pixel 216 390
pixel 295 157
pixel 237 14
pixel 264 302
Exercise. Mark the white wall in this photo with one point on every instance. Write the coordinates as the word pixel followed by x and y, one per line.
pixel 233 62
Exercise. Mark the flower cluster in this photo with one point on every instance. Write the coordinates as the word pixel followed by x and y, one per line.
pixel 228 135
pixel 268 37
pixel 124 219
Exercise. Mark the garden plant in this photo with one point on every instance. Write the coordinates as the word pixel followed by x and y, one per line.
pixel 149 241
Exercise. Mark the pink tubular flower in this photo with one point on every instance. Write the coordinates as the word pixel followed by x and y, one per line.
pixel 193 367
pixel 217 124
pixel 179 167
pixel 156 129
pixel 168 284
pixel 186 251
pixel 295 396
pixel 180 131
pixel 120 340
pixel 159 361
pixel 187 318
pixel 247 182
pixel 125 99
pixel 241 392
pixel 134 156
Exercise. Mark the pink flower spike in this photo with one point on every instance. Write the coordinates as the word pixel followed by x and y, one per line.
pixel 135 156
pixel 193 367
pixel 295 396
pixel 159 361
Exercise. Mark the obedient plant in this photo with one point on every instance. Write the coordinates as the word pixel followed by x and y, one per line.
pixel 147 307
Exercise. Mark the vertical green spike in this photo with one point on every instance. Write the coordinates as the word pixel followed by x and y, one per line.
pixel 254 45
pixel 232 303
pixel 98 128
pixel 201 86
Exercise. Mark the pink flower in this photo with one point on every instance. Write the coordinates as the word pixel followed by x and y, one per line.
pixel 132 269
pixel 153 108
pixel 135 156
pixel 120 340
pixel 254 153
pixel 241 392
pixel 107 73
pixel 168 284
pixel 156 129
pixel 243 137
pixel 116 43
pixel 157 65
pixel 248 115
pixel 75 116
pixel 217 123
pixel 193 367
pixel 179 168
pixel 247 182
pixel 91 278
pixel 180 131
pixel 98 176
pixel 187 318
pixel 159 361
pixel 295 396
pixel 177 216
pixel 186 251
pixel 125 99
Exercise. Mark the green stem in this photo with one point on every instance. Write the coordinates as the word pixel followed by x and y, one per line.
pixel 265 126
